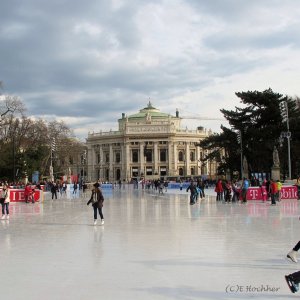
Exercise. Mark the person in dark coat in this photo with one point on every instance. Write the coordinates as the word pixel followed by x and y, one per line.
pixel 193 190
pixel 97 200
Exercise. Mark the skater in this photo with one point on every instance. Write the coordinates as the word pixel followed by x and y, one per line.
pixel 236 192
pixel 228 191
pixel 160 187
pixel 219 190
pixel 97 200
pixel 75 186
pixel 245 186
pixel 5 203
pixel 180 185
pixel 54 189
pixel 273 191
pixel 292 254
pixel 193 190
pixel 65 188
pixel 28 192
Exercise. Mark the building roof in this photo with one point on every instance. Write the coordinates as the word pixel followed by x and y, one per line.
pixel 150 111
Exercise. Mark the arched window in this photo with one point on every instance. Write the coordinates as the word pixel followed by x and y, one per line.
pixel 118 157
pixel 180 170
pixel 180 156
pixel 135 156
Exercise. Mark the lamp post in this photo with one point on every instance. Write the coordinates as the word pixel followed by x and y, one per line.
pixel 83 163
pixel 287 134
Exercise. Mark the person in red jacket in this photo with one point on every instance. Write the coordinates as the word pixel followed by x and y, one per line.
pixel 28 193
pixel 219 190
pixel 273 191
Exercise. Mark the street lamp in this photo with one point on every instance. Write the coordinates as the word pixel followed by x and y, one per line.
pixel 240 141
pixel 83 163
pixel 286 134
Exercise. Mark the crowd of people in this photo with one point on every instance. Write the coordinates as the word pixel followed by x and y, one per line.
pixel 233 191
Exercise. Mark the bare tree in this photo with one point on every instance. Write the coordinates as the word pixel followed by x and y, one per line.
pixel 10 104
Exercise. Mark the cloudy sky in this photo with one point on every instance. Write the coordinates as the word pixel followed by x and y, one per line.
pixel 87 62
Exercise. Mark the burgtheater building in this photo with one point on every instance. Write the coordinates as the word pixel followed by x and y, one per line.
pixel 149 144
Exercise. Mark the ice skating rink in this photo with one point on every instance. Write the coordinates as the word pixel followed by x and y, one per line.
pixel 150 247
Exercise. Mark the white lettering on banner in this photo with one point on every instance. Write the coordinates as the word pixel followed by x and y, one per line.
pixel 16 195
pixel 289 193
pixel 253 194
pixel 12 196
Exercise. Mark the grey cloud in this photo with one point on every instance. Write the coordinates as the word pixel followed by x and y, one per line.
pixel 56 70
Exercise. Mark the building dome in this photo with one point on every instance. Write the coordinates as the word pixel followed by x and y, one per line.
pixel 150 112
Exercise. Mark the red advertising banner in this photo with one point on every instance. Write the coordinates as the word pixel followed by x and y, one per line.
pixel 17 195
pixel 260 193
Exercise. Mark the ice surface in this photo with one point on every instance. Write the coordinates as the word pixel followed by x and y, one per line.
pixel 151 247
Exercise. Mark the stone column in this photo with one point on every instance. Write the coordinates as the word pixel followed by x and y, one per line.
pixel 156 157
pixel 127 162
pixel 187 159
pixel 111 159
pixel 170 165
pixel 101 173
pixel 198 157
pixel 175 158
pixel 142 160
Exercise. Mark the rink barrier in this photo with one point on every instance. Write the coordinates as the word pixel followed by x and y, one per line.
pixel 17 195
pixel 260 193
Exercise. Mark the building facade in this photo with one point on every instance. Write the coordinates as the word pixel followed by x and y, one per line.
pixel 149 144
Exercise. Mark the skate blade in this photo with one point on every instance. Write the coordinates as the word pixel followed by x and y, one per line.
pixel 290 259
pixel 293 290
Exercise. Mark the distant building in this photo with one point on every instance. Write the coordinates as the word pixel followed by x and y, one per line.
pixel 149 144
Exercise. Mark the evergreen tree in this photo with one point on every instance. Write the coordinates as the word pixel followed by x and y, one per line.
pixel 259 121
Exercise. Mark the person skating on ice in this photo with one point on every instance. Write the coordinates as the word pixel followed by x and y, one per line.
pixel 97 200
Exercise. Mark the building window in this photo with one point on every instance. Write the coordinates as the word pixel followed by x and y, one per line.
pixel 180 171
pixel 192 156
pixel 163 171
pixel 118 177
pixel 192 171
pixel 134 172
pixel 163 155
pixel 135 156
pixel 118 157
pixel 98 158
pixel 107 157
pixel 148 170
pixel 180 156
pixel 148 155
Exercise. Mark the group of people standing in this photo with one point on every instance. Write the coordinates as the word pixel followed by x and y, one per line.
pixel 233 191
